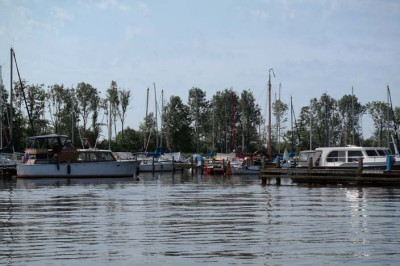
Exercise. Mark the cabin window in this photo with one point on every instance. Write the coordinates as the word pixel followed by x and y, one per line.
pixel 304 156
pixel 371 153
pixel 381 152
pixel 336 156
pixel 353 156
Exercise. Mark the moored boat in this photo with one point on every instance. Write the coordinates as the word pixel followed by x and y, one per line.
pixel 55 156
pixel 346 157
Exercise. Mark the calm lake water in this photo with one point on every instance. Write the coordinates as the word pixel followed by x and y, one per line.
pixel 196 220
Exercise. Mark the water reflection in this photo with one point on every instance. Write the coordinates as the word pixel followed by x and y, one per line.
pixel 196 219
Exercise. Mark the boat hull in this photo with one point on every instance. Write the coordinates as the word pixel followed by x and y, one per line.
pixel 91 169
pixel 146 166
pixel 245 170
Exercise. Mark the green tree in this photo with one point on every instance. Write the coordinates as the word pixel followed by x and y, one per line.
pixel 36 100
pixel 177 125
pixel 87 98
pixel 279 110
pixel 125 97
pixel 198 112
pixel 350 114
pixel 378 111
pixel 250 114
pixel 147 130
pixel 225 110
pixel 113 98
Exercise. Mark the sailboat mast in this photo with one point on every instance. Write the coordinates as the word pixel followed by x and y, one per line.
pixel 269 115
pixel 145 120
pixel 352 114
pixel 162 108
pixel 1 107
pixel 156 125
pixel 233 121
pixel 11 93
pixel 291 121
pixel 387 118
pixel 109 125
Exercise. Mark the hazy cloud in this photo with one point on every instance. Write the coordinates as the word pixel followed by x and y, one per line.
pixel 259 13
pixel 142 7
pixel 106 4
pixel 60 14
pixel 132 31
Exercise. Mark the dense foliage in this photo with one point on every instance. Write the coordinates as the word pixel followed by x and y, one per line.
pixel 227 121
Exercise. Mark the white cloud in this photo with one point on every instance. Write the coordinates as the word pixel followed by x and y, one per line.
pixel 106 4
pixel 60 14
pixel 259 13
pixel 142 7
pixel 132 31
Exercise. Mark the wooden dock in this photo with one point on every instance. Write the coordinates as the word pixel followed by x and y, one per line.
pixel 315 175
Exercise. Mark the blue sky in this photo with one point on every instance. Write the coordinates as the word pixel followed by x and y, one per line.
pixel 313 46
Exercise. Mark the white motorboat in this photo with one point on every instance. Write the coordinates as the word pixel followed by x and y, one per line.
pixel 55 156
pixel 239 169
pixel 156 165
pixel 346 157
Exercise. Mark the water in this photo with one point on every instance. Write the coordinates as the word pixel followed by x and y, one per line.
pixel 196 220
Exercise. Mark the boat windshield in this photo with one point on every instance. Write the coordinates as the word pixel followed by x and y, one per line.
pixel 371 153
pixel 97 156
pixel 381 152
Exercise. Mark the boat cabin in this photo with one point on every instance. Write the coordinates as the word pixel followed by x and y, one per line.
pixel 50 148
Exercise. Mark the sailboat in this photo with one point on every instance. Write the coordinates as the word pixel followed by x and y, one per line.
pixel 8 157
pixel 157 161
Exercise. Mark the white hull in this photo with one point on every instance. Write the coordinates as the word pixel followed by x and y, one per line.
pixel 84 169
pixel 245 170
pixel 164 166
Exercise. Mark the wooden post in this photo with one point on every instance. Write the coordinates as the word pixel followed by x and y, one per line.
pixel 152 165
pixel 173 165
pixel 191 161
pixel 310 162
pixel 278 161
pixel 360 165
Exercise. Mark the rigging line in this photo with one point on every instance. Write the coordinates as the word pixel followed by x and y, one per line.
pixel 23 93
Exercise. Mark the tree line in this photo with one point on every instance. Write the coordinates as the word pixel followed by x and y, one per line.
pixel 225 122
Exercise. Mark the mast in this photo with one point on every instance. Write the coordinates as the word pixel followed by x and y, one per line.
pixel 162 108
pixel 145 121
pixel 155 100
pixel 1 107
pixel 279 120
pixel 11 94
pixel 233 121
pixel 352 113
pixel 311 125
pixel 269 115
pixel 387 117
pixel 109 125
pixel 23 94
pixel 291 121
pixel 396 134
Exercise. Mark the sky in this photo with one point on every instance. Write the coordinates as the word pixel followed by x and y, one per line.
pixel 314 47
